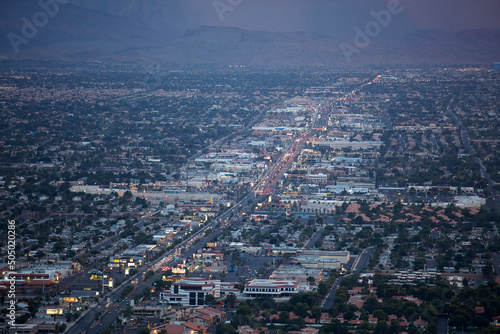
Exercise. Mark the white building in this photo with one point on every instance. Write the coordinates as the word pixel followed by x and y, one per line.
pixel 311 262
pixel 341 256
pixel 317 178
pixel 190 292
pixel 280 290
pixel 228 288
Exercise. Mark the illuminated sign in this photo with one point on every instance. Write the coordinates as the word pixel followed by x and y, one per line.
pixel 95 278
pixel 178 271
pixel 54 311
pixel 70 299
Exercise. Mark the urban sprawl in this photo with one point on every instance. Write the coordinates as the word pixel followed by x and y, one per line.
pixel 203 199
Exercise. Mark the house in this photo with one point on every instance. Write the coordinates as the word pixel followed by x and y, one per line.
pixel 214 314
pixel 307 330
pixel 201 320
pixel 249 330
pixel 192 328
pixel 420 323
pixel 187 328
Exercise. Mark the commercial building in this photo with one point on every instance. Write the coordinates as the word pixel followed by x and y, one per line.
pixel 317 178
pixel 341 256
pixel 299 274
pixel 228 288
pixel 310 262
pixel 151 311
pixel 280 290
pixel 190 292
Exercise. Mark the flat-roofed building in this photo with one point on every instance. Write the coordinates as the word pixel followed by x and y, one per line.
pixel 280 290
pixel 151 311
pixel 317 178
pixel 190 292
pixel 312 262
pixel 298 274
pixel 341 256
pixel 228 288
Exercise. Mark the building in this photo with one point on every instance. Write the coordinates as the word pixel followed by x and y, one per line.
pixel 341 256
pixel 151 311
pixel 187 328
pixel 280 290
pixel 190 292
pixel 317 178
pixel 495 66
pixel 298 274
pixel 210 255
pixel 227 288
pixel 215 315
pixel 312 262
pixel 24 329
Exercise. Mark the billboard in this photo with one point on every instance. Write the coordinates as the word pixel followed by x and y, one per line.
pixel 54 311
pixel 70 299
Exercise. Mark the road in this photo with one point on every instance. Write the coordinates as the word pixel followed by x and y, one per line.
pixel 86 324
pixel 359 264
pixel 496 265
pixel 267 183
pixel 477 158
pixel 220 141
pixel 314 238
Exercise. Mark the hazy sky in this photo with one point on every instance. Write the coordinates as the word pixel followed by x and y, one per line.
pixel 334 18
pixel 338 17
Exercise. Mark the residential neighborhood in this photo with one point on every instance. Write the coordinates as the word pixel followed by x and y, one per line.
pixel 249 200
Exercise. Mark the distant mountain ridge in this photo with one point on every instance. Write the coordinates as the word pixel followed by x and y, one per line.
pixel 85 34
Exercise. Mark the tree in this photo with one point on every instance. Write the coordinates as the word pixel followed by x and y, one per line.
pixel 225 329
pixel 230 300
pixel 379 314
pixel 394 328
pixel 381 328
pixel 243 314
pixel 311 280
pixel 208 232
pixel 334 328
pixel 284 317
pixel 128 312
pixel 487 269
pixel 301 309
pixel 322 289
pixel 370 304
pixel 349 315
pixel 316 312
pixel 148 275
pixel 210 299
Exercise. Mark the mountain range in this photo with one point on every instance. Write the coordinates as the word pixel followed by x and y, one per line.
pixel 85 31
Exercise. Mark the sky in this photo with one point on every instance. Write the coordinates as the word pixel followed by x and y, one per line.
pixel 337 18
pixel 333 18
